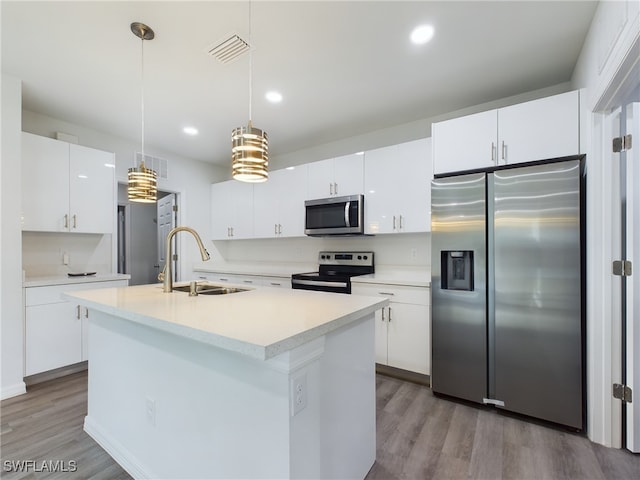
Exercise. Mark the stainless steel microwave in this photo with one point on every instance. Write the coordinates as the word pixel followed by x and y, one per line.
pixel 334 216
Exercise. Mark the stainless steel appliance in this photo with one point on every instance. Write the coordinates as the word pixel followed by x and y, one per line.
pixel 508 289
pixel 335 270
pixel 334 216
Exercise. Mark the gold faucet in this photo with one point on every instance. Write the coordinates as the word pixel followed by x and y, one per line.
pixel 166 276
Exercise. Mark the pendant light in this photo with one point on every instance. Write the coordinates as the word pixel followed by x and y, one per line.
pixel 143 181
pixel 250 145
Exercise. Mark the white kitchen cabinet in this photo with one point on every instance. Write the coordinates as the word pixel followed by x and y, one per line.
pixel 529 131
pixel 336 177
pixel 397 182
pixel 231 210
pixel 278 204
pixel 55 329
pixel 66 187
pixel 403 328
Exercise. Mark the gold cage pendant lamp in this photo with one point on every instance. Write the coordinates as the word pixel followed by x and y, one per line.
pixel 250 145
pixel 143 181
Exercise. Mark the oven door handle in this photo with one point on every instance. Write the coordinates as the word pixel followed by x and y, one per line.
pixel 347 207
pixel 314 283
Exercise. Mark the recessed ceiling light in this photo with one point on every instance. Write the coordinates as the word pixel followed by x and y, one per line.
pixel 273 96
pixel 190 130
pixel 359 153
pixel 422 34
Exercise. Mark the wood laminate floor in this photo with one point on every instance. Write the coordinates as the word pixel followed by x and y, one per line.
pixel 419 437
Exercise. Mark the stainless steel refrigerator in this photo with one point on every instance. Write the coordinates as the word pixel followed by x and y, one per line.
pixel 508 289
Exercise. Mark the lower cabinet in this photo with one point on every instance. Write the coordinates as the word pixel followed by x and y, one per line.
pixel 55 329
pixel 249 280
pixel 403 328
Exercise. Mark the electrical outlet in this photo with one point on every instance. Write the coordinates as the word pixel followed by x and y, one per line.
pixel 151 411
pixel 65 258
pixel 298 393
pixel 414 254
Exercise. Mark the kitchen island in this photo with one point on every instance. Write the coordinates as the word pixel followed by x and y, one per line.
pixel 265 383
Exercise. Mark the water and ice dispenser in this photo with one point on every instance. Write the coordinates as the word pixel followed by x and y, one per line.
pixel 457 270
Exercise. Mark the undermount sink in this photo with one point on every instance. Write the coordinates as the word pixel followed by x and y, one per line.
pixel 204 288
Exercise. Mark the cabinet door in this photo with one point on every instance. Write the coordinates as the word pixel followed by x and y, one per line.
pixel 348 175
pixel 409 337
pixel 265 206
pixel 292 192
pixel 231 210
pixel 92 206
pixel 53 337
pixel 45 184
pixel 320 180
pixel 382 189
pixel 465 143
pixel 381 336
pixel 243 214
pixel 414 169
pixel 540 129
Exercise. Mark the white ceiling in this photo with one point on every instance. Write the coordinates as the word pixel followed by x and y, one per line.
pixel 344 68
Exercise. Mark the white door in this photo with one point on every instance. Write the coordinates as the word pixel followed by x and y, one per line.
pixel 632 160
pixel 166 222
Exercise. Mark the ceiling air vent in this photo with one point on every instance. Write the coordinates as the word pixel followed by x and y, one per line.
pixel 228 49
pixel 160 165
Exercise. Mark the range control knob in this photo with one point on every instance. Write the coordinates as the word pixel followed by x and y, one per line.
pixel 359 257
pixel 366 257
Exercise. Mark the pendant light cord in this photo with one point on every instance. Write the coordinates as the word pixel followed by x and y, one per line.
pixel 142 98
pixel 250 66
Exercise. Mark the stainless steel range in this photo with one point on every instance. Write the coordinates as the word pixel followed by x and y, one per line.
pixel 335 270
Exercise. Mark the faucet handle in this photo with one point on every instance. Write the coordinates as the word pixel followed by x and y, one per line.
pixel 161 276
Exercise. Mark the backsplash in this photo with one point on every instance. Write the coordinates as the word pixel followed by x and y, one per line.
pixel 404 249
pixel 43 252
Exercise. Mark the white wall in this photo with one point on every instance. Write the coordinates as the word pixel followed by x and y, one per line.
pixel 190 178
pixel 11 324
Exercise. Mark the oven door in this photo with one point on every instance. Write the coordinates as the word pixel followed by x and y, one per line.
pixel 313 281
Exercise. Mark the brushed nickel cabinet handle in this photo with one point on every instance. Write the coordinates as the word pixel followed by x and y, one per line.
pixel 66 220
pixel 389 313
pixel 504 148
pixel 78 312
pixel 493 152
pixel 75 221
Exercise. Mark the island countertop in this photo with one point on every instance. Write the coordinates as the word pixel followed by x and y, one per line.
pixel 260 323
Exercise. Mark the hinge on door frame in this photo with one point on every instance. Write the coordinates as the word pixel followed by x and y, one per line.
pixel 175 257
pixel 621 144
pixel 174 208
pixel 622 392
pixel 622 268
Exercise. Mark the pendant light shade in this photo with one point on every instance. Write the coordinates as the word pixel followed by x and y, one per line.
pixel 143 184
pixel 250 154
pixel 249 145
pixel 142 181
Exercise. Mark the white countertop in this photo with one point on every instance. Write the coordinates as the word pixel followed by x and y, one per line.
pixel 260 323
pixel 413 277
pixel 49 280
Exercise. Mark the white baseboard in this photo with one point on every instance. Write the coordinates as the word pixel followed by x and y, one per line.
pixel 13 390
pixel 121 455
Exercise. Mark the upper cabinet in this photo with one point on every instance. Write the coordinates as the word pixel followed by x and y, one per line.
pixel 66 187
pixel 278 203
pixel 535 130
pixel 397 184
pixel 231 210
pixel 335 177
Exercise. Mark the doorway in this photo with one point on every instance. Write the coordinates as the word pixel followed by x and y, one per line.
pixel 142 231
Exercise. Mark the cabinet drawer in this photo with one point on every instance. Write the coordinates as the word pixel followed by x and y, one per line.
pixel 53 294
pixel 278 282
pixel 395 293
